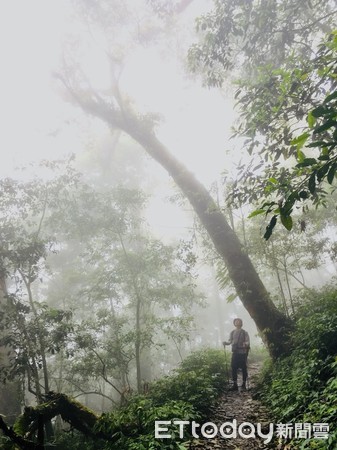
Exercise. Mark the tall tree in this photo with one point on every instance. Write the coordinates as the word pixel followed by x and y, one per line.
pixel 27 323
pixel 117 113
pixel 134 281
pixel 237 37
pixel 10 391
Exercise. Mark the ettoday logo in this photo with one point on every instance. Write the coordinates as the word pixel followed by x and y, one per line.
pixel 209 430
pixel 244 430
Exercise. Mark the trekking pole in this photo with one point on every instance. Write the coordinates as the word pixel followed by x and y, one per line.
pixel 248 387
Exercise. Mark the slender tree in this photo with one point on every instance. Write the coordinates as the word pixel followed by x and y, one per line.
pixel 10 391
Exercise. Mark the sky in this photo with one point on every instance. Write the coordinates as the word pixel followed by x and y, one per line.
pixel 29 46
pixel 37 123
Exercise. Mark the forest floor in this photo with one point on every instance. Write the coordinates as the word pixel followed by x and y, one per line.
pixel 242 407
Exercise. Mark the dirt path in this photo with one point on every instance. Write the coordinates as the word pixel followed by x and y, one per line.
pixel 239 406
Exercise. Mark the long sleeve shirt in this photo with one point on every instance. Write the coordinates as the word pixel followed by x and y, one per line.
pixel 239 339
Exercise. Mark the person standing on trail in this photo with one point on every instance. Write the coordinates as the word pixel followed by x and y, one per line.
pixel 239 339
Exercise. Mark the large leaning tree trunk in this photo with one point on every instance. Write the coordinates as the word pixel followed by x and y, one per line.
pixel 273 325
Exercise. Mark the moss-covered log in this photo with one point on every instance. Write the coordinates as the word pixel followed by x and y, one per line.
pixel 27 428
pixel 71 411
pixel 21 442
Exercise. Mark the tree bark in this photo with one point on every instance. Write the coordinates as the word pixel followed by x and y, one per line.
pixel 273 325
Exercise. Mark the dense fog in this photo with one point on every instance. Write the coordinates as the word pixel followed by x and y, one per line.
pixel 156 184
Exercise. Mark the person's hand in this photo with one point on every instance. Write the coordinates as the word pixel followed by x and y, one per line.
pixel 225 343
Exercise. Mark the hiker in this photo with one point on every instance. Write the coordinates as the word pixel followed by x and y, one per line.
pixel 239 339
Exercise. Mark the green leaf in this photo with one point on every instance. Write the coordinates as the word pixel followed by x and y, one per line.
pixel 330 97
pixel 287 222
pixel 270 204
pixel 237 93
pixel 311 120
pixel 325 126
pixel 303 194
pixel 256 213
pixel 312 183
pixel 300 140
pixel 300 156
pixel 307 162
pixel 320 111
pixel 289 203
pixel 331 174
pixel 231 298
pixel 181 446
pixel 322 172
pixel 325 154
pixel 317 144
pixel 270 227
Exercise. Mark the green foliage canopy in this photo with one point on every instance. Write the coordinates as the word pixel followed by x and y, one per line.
pixel 285 95
pixel 289 120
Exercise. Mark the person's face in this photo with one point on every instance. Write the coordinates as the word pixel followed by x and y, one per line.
pixel 237 323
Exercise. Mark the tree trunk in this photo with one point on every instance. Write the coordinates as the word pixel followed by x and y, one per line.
pixel 273 325
pixel 10 392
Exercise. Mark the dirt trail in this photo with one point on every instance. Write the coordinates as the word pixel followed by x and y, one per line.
pixel 242 407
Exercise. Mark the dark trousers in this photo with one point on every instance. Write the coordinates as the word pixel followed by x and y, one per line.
pixel 239 361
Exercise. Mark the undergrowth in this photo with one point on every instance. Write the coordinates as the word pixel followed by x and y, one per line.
pixel 302 387
pixel 187 394
pixel 197 383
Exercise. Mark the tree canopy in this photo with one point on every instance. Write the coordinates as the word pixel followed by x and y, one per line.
pixel 285 95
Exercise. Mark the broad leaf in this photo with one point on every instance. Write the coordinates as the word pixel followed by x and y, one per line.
pixel 270 227
pixel 312 183
pixel 325 126
pixel 256 213
pixel 287 222
pixel 331 174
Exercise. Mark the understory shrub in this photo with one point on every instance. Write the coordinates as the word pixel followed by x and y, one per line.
pixel 302 387
pixel 199 380
pixel 187 394
pixel 133 427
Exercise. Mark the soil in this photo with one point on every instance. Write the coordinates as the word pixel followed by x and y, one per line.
pixel 242 407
